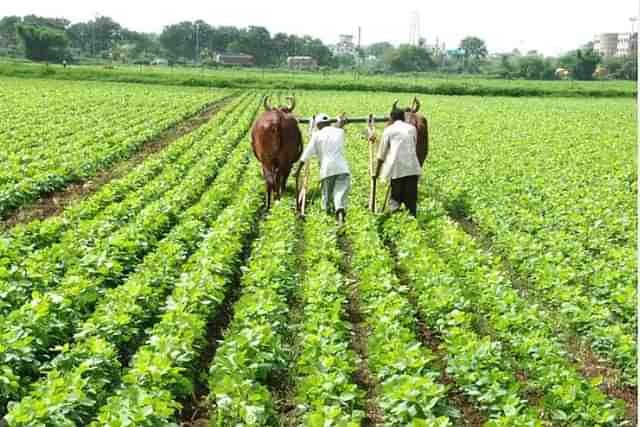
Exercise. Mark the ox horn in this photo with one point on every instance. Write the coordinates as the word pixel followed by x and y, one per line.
pixel 395 105
pixel 415 105
pixel 292 103
pixel 267 105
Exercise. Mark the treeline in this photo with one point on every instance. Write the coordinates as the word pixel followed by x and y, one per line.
pixel 582 64
pixel 56 39
pixel 472 57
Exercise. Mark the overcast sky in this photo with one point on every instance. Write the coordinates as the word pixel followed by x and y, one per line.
pixel 550 26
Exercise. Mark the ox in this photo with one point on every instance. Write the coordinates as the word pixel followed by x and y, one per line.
pixel 412 117
pixel 277 144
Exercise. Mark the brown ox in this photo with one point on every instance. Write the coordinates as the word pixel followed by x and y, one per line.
pixel 277 144
pixel 412 117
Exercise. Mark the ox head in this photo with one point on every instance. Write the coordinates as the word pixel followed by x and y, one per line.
pixel 398 113
pixel 283 108
pixel 414 108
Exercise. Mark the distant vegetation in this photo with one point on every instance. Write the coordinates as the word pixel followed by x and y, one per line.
pixel 425 83
pixel 102 40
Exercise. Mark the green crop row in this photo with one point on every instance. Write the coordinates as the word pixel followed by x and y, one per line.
pixel 162 372
pixel 40 167
pixel 461 288
pixel 25 238
pixel 323 373
pixel 553 194
pixel 408 391
pixel 41 270
pixel 88 368
pixel 556 197
pixel 478 364
pixel 253 352
pixel 28 333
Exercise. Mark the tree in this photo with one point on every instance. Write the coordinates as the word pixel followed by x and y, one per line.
pixel 630 69
pixel 179 40
pixel 221 37
pixel 345 61
pixel 531 67
pixel 586 64
pixel 256 41
pixel 280 46
pixel 80 36
pixel 474 47
pixel 8 33
pixel 316 49
pixel 144 44
pixel 40 21
pixel 474 50
pixel 582 63
pixel 105 32
pixel 378 49
pixel 408 58
pixel 43 43
pixel 506 67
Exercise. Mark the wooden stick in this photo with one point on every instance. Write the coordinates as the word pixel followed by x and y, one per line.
pixel 298 192
pixel 305 184
pixel 372 183
pixel 349 120
pixel 372 196
pixel 386 198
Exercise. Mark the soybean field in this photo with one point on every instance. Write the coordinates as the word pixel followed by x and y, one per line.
pixel 168 296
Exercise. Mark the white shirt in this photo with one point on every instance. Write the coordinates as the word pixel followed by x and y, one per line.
pixel 398 151
pixel 328 145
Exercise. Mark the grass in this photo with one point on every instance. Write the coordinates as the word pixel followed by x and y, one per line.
pixel 418 83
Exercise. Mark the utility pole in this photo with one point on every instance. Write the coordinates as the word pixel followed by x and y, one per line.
pixel 93 33
pixel 360 58
pixel 197 55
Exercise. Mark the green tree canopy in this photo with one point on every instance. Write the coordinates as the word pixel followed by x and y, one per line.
pixel 378 49
pixel 179 40
pixel 408 58
pixel 582 63
pixel 8 33
pixel 43 43
pixel 474 47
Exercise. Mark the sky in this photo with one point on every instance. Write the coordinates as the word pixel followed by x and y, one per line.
pixel 548 26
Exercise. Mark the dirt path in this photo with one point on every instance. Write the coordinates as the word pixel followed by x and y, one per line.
pixel 54 203
pixel 359 343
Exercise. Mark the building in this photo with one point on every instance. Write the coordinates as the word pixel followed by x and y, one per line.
pixel 345 46
pixel 235 59
pixel 616 44
pixel 627 44
pixel 302 63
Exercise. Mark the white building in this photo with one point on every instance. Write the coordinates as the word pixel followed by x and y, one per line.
pixel 302 63
pixel 615 44
pixel 345 46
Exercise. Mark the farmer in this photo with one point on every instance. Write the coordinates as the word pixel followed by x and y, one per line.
pixel 335 178
pixel 398 162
